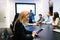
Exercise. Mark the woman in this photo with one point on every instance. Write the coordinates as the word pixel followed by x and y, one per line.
pixel 55 20
pixel 19 27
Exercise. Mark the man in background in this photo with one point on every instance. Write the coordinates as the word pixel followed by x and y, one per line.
pixel 31 17
pixel 41 19
pixel 49 19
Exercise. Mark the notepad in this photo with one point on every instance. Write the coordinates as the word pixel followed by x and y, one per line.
pixel 32 24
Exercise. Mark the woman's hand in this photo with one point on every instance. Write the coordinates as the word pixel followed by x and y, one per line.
pixel 34 33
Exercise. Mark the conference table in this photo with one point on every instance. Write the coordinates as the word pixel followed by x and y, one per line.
pixel 56 33
pixel 45 34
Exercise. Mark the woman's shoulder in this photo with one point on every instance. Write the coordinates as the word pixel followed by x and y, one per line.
pixel 57 18
pixel 18 22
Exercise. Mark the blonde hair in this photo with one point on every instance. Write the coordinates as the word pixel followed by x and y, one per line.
pixel 22 17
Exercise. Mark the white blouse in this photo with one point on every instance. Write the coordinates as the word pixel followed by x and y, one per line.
pixel 55 22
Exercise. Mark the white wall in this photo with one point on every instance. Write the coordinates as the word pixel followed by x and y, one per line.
pixel 4 15
pixel 56 6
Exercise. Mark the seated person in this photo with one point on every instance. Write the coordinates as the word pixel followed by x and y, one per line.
pixel 20 33
pixel 41 18
pixel 49 19
pixel 55 19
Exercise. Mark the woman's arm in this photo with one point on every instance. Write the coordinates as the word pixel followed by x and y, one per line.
pixel 28 32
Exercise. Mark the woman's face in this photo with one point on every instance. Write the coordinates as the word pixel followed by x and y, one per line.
pixel 27 17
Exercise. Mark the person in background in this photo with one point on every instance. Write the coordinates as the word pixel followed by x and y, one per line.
pixel 31 17
pixel 49 19
pixel 51 6
pixel 41 19
pixel 20 33
pixel 55 19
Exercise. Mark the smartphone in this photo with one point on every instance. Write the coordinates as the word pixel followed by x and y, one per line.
pixel 39 31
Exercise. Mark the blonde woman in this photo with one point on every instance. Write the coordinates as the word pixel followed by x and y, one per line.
pixel 19 27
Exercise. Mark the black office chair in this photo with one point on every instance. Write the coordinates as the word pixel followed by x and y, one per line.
pixel 11 36
pixel 11 27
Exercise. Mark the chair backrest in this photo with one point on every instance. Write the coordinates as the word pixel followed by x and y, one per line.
pixel 11 27
pixel 16 16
